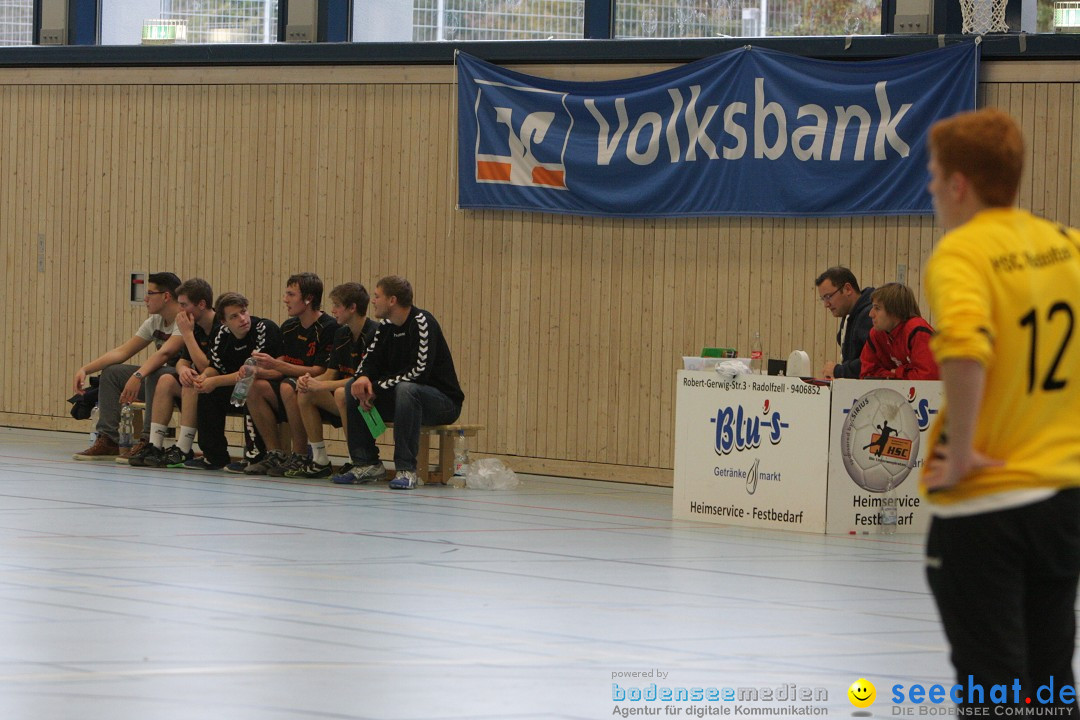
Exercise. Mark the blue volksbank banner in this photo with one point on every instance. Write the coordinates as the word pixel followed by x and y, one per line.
pixel 749 132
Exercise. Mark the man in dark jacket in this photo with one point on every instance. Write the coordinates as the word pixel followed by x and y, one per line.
pixel 839 290
pixel 408 375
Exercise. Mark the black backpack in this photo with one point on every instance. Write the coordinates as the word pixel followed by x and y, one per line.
pixel 82 405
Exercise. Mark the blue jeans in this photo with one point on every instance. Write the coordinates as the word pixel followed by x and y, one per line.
pixel 408 405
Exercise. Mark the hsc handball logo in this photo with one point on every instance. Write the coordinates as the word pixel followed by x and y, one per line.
pixel 880 440
pixel 738 429
pixel 518 146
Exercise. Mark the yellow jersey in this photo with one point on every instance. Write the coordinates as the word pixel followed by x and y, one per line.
pixel 1004 289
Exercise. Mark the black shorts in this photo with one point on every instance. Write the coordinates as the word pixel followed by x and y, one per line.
pixel 329 418
pixel 280 410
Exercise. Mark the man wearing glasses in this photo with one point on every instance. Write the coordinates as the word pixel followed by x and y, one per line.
pixel 121 383
pixel 839 290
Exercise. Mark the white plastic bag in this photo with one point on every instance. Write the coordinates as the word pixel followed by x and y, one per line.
pixel 731 369
pixel 490 474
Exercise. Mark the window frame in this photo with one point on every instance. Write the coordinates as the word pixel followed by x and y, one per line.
pixel 597 44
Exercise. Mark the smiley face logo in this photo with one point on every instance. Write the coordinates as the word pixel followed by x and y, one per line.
pixel 862 693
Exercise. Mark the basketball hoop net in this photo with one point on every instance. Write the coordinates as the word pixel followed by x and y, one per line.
pixel 983 16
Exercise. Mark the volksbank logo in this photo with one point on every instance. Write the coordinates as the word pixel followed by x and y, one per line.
pixel 519 147
pixel 522 132
pixel 758 129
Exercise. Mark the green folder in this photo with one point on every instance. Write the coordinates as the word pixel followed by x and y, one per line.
pixel 375 424
pixel 718 352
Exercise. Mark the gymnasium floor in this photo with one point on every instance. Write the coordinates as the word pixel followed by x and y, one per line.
pixel 161 594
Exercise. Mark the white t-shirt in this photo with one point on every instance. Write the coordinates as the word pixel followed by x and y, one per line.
pixel 155 329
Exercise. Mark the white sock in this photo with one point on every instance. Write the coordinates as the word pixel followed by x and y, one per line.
pixel 186 438
pixel 157 434
pixel 318 453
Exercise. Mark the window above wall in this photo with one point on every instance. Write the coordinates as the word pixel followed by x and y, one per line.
pixel 466 20
pixel 160 22
pixel 430 31
pixel 745 18
pixel 16 22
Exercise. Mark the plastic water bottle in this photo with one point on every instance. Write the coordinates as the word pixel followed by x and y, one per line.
pixel 461 459
pixel 127 427
pixel 888 510
pixel 755 354
pixel 241 388
pixel 95 415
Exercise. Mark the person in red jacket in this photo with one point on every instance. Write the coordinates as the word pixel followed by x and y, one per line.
pixel 899 343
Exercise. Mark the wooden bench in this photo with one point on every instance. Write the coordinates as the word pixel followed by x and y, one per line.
pixel 137 410
pixel 446 434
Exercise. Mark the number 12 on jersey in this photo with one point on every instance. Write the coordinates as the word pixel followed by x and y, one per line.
pixel 1050 380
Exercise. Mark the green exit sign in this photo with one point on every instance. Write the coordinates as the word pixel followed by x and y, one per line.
pixel 164 31
pixel 159 32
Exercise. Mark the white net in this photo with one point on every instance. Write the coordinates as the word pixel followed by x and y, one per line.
pixel 983 16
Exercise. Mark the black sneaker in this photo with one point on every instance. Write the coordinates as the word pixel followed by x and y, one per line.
pixel 237 467
pixel 311 470
pixel 292 462
pixel 174 457
pixel 145 456
pixel 200 463
pixel 272 459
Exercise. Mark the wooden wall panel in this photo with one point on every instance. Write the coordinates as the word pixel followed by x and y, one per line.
pixel 566 331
